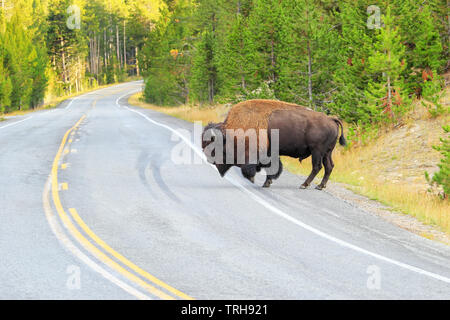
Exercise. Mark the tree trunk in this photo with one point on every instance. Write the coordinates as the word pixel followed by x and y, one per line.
pixel 308 48
pixel 80 66
pixel 210 90
pixel 118 47
pixel 389 96
pixel 272 59
pixel 105 47
pixel 91 55
pixel 137 62
pixel 95 58
pixel 76 79
pixel 63 61
pixel 97 44
pixel 111 42
pixel 310 93
pixel 124 47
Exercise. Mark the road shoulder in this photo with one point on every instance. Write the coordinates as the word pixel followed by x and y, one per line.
pixel 404 221
pixel 341 191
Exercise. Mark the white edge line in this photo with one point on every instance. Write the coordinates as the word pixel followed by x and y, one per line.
pixel 80 96
pixel 14 123
pixel 330 212
pixel 96 91
pixel 72 100
pixel 296 221
pixel 70 103
pixel 124 95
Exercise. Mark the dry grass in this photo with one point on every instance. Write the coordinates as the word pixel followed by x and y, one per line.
pixel 389 169
pixel 367 179
pixel 48 105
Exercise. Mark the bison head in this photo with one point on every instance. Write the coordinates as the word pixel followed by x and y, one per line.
pixel 213 145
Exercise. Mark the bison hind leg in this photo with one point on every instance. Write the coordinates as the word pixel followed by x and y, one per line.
pixel 317 157
pixel 328 165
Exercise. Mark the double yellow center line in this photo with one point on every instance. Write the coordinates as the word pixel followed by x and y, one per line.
pixel 140 277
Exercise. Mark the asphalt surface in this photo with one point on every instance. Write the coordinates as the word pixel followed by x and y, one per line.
pixel 95 205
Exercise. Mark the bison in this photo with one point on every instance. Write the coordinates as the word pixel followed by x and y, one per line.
pixel 302 132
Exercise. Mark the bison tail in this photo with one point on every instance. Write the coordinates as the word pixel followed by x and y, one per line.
pixel 342 140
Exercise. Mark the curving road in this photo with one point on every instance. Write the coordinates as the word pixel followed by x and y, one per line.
pixel 92 206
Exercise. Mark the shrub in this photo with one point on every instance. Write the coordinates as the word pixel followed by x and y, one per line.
pixel 442 177
pixel 432 94
pixel 262 92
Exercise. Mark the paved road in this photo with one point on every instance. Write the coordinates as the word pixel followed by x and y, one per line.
pixel 93 206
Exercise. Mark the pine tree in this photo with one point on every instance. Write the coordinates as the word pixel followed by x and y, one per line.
pixel 442 177
pixel 423 47
pixel 307 54
pixel 428 50
pixel 264 25
pixel 39 62
pixel 351 76
pixel 167 57
pixel 5 88
pixel 441 18
pixel 5 80
pixel 23 61
pixel 18 44
pixel 209 21
pixel 65 45
pixel 386 64
pixel 233 60
pixel 204 71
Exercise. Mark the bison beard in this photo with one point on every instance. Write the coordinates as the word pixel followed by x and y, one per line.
pixel 302 133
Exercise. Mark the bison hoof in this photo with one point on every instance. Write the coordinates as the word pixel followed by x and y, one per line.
pixel 252 179
pixel 266 184
pixel 319 188
pixel 303 186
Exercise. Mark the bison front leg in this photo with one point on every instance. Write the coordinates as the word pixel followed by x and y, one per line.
pixel 271 177
pixel 249 172
pixel 328 166
pixel 316 166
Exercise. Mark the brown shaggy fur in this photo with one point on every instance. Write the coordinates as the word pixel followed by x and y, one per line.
pixel 254 114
